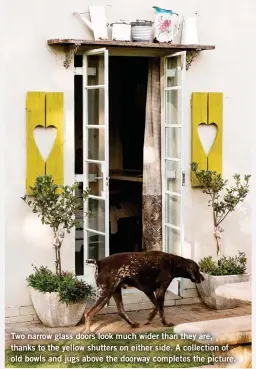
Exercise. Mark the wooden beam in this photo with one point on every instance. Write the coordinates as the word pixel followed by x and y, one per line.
pixel 124 48
pixel 148 45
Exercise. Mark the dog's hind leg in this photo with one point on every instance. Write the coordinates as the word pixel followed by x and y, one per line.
pixel 151 316
pixel 102 300
pixel 117 295
pixel 156 309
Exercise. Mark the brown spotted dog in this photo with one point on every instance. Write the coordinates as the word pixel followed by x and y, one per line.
pixel 150 272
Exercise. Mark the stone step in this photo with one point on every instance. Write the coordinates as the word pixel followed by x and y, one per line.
pixel 135 300
pixel 134 296
pixel 232 331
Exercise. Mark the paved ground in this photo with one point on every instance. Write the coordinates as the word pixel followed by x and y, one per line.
pixel 113 323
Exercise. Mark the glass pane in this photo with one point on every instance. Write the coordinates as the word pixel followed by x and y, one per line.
pixel 173 209
pixel 173 107
pixel 95 178
pixel 95 69
pixel 173 71
pixel 96 111
pixel 173 142
pixel 172 240
pixel 96 220
pixel 173 179
pixel 79 238
pixel 96 144
pixel 96 245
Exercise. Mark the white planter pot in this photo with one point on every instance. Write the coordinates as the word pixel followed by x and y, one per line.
pixel 54 313
pixel 207 289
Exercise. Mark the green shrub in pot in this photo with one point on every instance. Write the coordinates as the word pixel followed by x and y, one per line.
pixel 232 265
pixel 70 289
pixel 59 298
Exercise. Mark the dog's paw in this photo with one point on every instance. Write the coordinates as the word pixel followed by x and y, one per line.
pixel 170 324
pixel 86 331
pixel 135 325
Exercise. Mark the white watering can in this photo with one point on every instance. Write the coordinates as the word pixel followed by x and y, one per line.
pixel 98 23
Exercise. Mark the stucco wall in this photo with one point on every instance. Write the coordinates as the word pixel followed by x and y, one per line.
pixel 32 66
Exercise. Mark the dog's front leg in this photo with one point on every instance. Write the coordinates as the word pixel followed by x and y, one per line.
pixel 151 315
pixel 160 295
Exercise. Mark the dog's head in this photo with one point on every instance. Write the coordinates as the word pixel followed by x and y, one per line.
pixel 193 272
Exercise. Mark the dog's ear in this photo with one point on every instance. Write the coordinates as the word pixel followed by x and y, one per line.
pixel 191 269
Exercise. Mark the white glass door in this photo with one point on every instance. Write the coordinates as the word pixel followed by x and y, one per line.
pixel 95 153
pixel 172 162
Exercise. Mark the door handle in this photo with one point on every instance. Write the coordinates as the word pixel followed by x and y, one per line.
pixel 107 181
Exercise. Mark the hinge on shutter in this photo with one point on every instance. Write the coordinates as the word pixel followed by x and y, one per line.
pixel 183 178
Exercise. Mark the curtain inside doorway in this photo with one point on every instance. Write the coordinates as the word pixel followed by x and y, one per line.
pixel 152 176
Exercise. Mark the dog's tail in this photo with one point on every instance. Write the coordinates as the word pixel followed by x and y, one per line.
pixel 91 261
pixel 96 263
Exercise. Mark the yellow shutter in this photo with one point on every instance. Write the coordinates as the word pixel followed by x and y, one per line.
pixel 206 108
pixel 45 110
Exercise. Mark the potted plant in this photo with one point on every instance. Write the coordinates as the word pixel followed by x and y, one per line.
pixel 59 298
pixel 223 200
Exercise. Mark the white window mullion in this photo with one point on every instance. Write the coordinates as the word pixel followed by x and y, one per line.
pixel 94 231
pixel 174 88
pixel 167 158
pixel 94 87
pixel 97 126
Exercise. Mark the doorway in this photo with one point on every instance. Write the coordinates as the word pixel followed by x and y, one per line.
pixel 127 103
pixel 110 101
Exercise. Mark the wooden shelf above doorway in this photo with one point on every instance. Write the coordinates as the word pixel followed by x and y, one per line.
pixel 72 46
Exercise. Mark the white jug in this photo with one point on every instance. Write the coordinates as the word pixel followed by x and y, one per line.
pixel 189 32
pixel 165 27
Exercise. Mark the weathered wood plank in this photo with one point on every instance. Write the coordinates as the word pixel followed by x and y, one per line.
pixel 35 113
pixel 199 114
pixel 154 45
pixel 215 115
pixel 55 118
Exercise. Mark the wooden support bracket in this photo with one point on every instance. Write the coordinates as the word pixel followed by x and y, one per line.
pixel 70 51
pixel 190 56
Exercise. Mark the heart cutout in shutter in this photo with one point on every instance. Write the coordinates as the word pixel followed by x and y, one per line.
pixel 207 134
pixel 45 138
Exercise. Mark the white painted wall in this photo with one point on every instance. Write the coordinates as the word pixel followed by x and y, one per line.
pixel 31 66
